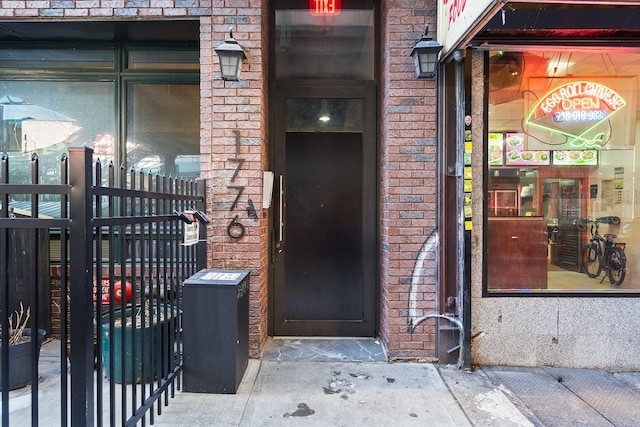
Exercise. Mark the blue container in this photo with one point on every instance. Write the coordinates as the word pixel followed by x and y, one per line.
pixel 151 344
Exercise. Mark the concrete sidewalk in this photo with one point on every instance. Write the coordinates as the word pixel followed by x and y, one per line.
pixel 378 393
pixel 346 394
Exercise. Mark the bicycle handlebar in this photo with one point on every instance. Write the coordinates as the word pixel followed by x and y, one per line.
pixel 582 223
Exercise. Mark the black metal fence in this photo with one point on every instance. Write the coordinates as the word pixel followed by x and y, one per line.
pixel 104 256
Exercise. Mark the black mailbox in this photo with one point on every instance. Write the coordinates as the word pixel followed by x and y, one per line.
pixel 215 330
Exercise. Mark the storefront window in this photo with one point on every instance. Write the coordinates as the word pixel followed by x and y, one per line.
pixel 562 207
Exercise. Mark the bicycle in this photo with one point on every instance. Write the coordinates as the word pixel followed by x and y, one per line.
pixel 602 252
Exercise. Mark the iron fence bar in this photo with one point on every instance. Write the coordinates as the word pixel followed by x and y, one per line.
pixel 33 223
pixel 4 291
pixel 98 298
pixel 7 188
pixel 106 191
pixel 81 235
pixel 137 202
pixel 111 200
pixel 64 291
pixel 160 366
pixel 169 293
pixel 201 254
pixel 33 297
pixel 147 209
pixel 122 202
pixel 154 397
pixel 168 262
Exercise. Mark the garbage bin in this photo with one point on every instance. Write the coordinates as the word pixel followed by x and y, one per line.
pixel 215 335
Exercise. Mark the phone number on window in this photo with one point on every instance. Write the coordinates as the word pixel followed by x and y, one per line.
pixel 579 115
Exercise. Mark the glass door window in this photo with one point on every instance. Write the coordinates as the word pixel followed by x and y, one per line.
pixel 339 46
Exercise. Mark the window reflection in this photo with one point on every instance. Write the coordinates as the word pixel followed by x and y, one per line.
pixel 163 128
pixel 561 151
pixel 325 115
pixel 46 117
pixel 324 47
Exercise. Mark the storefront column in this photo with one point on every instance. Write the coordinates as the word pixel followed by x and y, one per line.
pixel 234 150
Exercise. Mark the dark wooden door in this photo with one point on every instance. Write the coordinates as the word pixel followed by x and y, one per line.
pixel 324 213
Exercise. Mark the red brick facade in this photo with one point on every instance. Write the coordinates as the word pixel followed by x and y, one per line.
pixel 234 125
pixel 408 172
pixel 234 117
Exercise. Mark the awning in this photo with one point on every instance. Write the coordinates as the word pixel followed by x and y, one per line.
pixel 606 22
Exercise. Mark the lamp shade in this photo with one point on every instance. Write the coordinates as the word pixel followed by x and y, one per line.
pixel 425 56
pixel 231 56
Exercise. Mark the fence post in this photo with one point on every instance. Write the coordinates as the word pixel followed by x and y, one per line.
pixel 81 280
pixel 201 248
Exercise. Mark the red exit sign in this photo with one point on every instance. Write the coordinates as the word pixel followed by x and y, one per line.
pixel 324 7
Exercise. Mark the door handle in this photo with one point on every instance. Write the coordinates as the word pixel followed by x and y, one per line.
pixel 280 242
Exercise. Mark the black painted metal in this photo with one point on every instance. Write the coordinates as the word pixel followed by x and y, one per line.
pixel 133 216
pixel 216 330
pixel 347 283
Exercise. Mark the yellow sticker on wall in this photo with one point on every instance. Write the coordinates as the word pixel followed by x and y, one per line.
pixel 468 226
pixel 467 185
pixel 467 172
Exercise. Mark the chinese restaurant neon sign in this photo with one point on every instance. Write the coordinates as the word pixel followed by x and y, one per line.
pixel 324 7
pixel 578 111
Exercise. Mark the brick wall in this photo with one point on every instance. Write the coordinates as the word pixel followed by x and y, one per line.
pixel 407 164
pixel 100 9
pixel 226 107
pixel 234 126
pixel 408 172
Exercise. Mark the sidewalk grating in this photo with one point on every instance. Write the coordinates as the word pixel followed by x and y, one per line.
pixel 548 398
pixel 609 396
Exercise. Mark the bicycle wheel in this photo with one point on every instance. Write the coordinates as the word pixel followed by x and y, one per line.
pixel 617 265
pixel 591 261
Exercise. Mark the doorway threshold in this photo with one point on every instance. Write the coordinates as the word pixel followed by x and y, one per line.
pixel 324 349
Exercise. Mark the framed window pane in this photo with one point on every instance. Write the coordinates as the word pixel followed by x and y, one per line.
pixel 46 117
pixel 324 47
pixel 15 58
pixel 563 211
pixel 325 115
pixel 163 59
pixel 163 128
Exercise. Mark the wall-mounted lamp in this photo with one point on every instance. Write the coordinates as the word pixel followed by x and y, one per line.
pixel 425 56
pixel 231 56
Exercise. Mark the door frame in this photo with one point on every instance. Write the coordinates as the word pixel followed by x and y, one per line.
pixel 369 326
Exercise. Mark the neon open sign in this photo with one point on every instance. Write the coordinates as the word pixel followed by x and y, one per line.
pixel 324 7
pixel 576 111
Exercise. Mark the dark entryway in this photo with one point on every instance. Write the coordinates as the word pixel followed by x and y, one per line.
pixel 324 212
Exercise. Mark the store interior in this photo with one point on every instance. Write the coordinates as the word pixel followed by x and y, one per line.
pixel 561 149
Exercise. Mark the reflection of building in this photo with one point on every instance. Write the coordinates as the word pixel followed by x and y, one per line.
pixel 27 127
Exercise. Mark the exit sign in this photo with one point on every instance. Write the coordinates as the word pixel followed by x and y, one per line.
pixel 324 7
